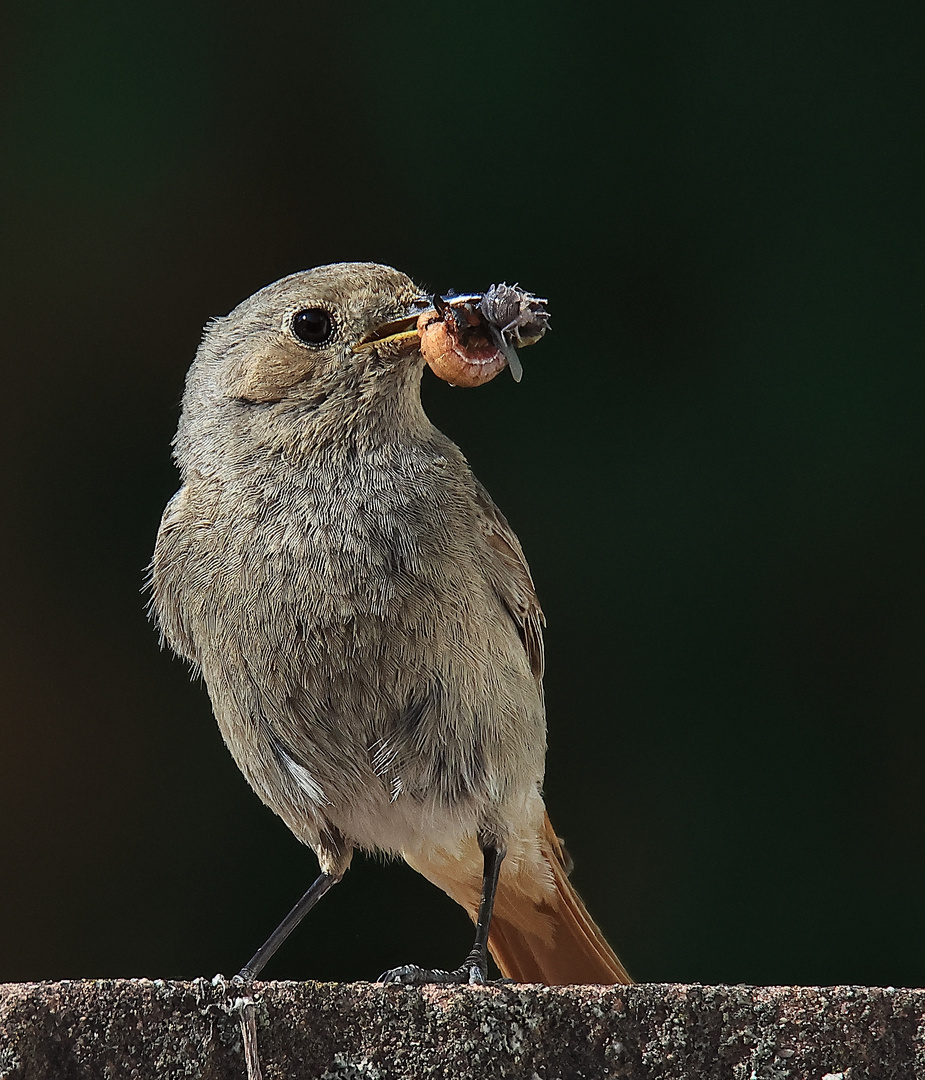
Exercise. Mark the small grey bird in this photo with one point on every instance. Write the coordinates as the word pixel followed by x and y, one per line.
pixel 364 618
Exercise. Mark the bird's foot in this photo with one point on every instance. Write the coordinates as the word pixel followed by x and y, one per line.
pixel 472 973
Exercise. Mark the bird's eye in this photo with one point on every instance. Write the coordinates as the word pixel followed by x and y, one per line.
pixel 313 326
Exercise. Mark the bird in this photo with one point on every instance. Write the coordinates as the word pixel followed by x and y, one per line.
pixel 365 620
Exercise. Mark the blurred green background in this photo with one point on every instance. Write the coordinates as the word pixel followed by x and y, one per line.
pixel 715 461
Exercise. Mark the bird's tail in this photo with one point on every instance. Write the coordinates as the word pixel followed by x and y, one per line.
pixel 540 930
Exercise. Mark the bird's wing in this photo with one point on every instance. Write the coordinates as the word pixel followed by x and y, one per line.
pixel 512 580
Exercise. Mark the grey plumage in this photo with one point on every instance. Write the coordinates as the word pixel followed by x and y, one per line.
pixel 354 600
pixel 362 613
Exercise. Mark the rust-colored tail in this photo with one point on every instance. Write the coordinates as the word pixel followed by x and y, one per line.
pixel 553 941
pixel 540 930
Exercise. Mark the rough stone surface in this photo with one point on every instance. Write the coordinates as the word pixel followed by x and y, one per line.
pixel 135 1028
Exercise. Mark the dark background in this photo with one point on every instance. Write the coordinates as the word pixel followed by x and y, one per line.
pixel 715 460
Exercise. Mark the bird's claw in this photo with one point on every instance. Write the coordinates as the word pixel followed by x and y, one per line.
pixel 411 975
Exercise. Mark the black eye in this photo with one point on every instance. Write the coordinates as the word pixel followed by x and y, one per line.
pixel 313 325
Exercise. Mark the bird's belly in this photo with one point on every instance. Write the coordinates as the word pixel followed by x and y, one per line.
pixel 374 821
pixel 399 778
pixel 418 828
pixel 395 703
pixel 399 751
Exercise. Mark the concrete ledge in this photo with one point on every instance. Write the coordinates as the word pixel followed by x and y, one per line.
pixel 135 1028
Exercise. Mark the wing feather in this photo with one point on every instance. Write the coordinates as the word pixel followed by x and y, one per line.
pixel 513 580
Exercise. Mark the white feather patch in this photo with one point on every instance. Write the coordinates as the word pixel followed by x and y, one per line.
pixel 306 782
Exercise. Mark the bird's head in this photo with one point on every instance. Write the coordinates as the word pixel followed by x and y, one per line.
pixel 317 355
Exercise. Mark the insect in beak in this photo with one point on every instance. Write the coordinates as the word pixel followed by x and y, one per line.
pixel 510 354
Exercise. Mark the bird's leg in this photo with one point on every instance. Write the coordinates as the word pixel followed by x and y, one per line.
pixel 474 968
pixel 257 962
pixel 476 963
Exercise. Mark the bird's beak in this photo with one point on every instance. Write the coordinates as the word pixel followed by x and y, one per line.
pixel 398 337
